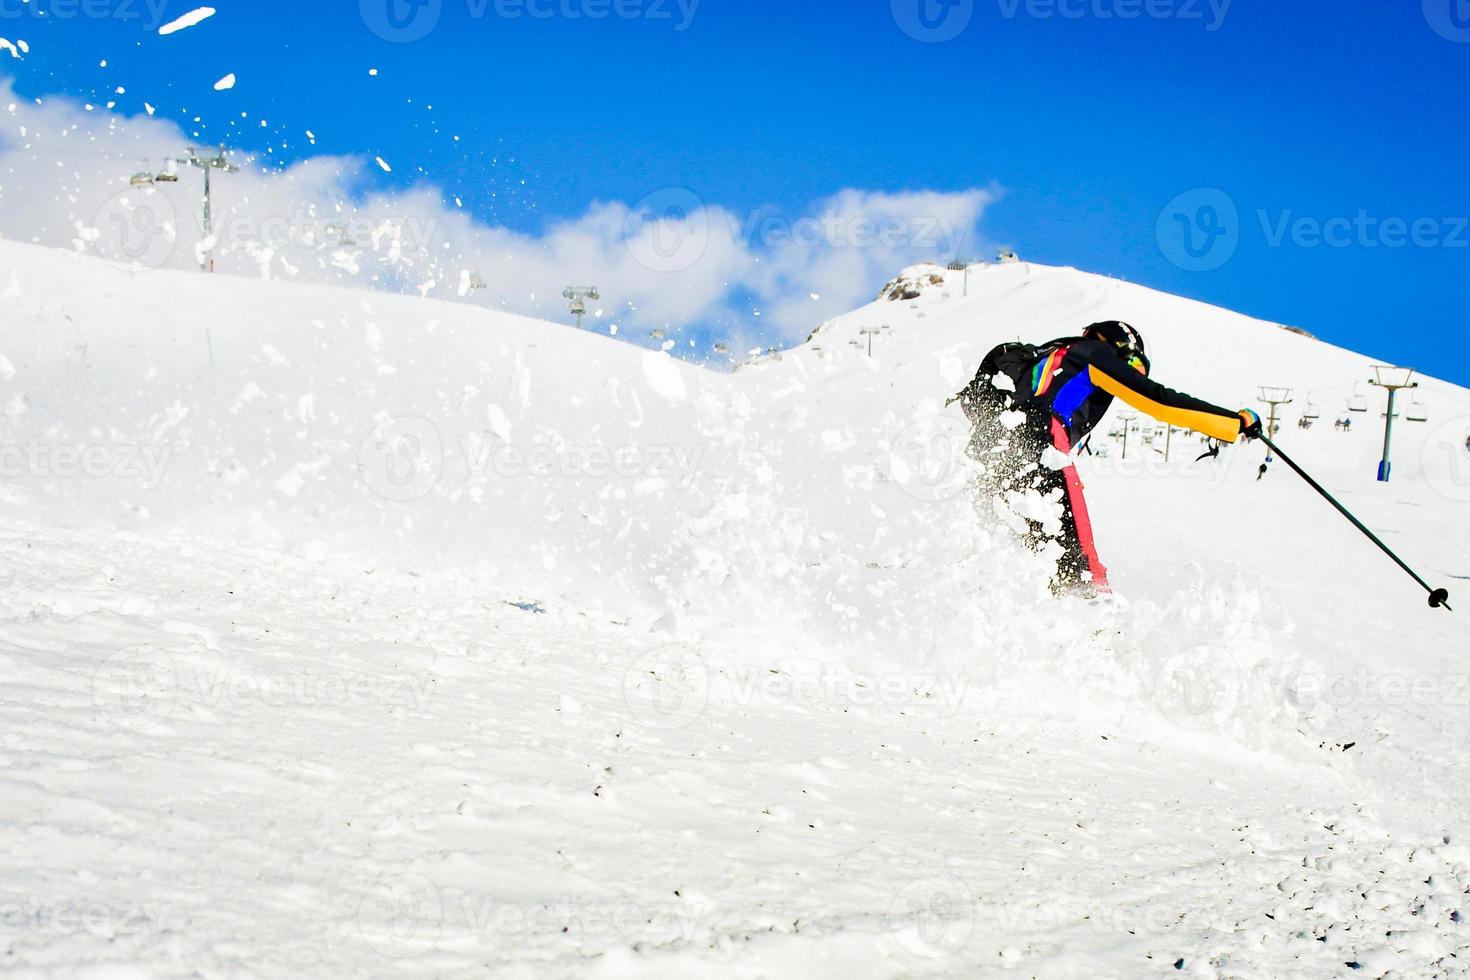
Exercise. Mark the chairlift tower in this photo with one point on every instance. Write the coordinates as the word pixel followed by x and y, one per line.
pixel 1128 418
pixel 870 333
pixel 208 164
pixel 1394 380
pixel 962 265
pixel 1275 397
pixel 579 295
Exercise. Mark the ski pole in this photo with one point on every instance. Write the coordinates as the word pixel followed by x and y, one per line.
pixel 1437 597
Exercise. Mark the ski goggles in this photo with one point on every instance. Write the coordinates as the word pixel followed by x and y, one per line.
pixel 1138 363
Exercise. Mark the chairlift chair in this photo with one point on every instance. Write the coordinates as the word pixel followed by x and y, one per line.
pixel 1359 401
pixel 1418 412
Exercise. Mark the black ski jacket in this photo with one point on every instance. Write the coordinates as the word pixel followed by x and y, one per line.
pixel 1078 380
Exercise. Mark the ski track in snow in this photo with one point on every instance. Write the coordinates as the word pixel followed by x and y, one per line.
pixel 383 773
pixel 271 703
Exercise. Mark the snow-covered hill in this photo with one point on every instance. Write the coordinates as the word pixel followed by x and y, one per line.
pixel 354 633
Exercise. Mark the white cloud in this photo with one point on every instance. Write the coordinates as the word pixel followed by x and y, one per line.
pixel 670 261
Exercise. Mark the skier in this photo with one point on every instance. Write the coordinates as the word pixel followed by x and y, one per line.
pixel 1062 390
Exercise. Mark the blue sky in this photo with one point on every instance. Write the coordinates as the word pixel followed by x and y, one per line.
pixel 1111 128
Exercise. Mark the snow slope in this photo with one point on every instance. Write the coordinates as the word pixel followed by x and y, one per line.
pixel 348 633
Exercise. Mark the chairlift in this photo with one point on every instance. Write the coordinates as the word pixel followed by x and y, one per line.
pixel 657 334
pixel 1359 401
pixel 343 236
pixel 1418 412
pixel 722 348
pixel 1310 413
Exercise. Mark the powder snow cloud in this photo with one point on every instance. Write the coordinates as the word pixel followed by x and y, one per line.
pixel 670 260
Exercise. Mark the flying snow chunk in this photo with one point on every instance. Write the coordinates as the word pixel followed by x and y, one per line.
pixel 384 164
pixel 5 45
pixel 662 374
pixel 187 21
pixel 226 83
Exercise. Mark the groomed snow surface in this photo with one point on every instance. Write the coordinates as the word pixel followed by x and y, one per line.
pixel 347 634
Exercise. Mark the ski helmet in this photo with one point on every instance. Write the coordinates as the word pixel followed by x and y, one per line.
pixel 1123 338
